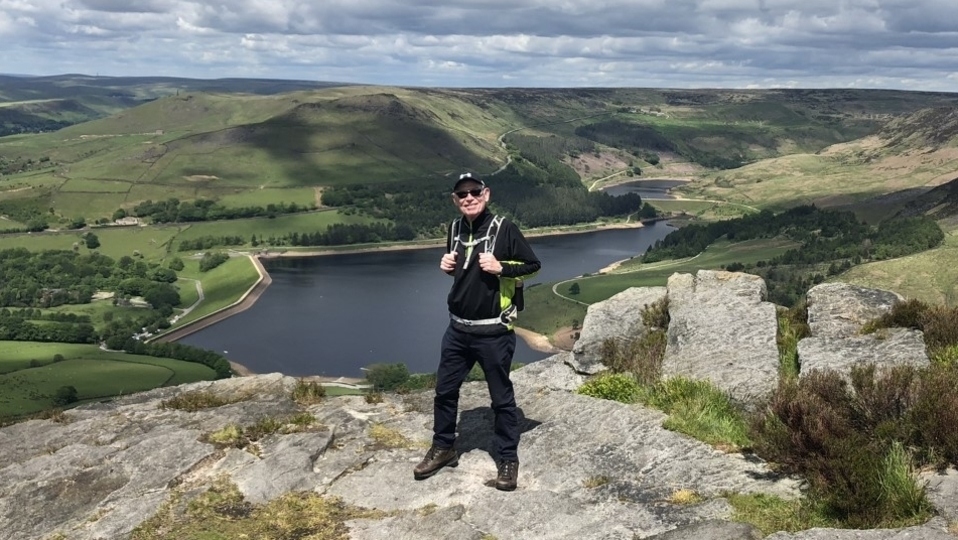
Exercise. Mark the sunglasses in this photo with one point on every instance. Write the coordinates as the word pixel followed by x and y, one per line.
pixel 475 192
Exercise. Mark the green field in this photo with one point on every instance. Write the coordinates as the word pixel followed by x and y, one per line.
pixel 930 276
pixel 115 242
pixel 10 225
pixel 266 196
pixel 222 286
pixel 96 186
pixel 96 374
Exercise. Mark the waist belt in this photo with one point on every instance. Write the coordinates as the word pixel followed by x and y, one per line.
pixel 507 317
pixel 477 322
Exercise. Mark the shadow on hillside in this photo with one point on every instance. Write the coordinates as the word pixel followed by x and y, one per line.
pixel 376 138
pixel 476 429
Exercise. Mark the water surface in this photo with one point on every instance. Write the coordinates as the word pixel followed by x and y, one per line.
pixel 334 314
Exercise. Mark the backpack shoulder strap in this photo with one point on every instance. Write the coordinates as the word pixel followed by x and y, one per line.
pixel 454 234
pixel 493 233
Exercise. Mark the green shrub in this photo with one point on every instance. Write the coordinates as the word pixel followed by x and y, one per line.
pixel 387 377
pixel 65 395
pixel 946 356
pixel 619 387
pixel 417 382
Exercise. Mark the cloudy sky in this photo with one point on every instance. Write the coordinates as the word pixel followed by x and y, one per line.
pixel 903 44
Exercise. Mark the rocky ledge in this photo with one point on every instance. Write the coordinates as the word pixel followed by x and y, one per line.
pixel 590 469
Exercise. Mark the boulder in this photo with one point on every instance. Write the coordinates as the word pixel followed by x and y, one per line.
pixel 618 318
pixel 722 330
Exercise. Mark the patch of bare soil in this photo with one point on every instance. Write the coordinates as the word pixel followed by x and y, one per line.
pixel 201 177
pixel 318 191
pixel 590 165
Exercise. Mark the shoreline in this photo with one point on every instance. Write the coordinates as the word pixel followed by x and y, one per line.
pixel 536 342
pixel 429 244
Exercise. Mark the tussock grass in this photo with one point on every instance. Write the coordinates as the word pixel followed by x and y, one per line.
pixel 221 513
pixel 235 436
pixel 593 482
pixel 196 401
pixel 700 410
pixel 772 514
pixel 308 392
pixel 685 497
pixel 621 387
pixel 387 437
pixel 792 327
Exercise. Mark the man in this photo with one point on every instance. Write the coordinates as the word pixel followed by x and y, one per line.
pixel 486 257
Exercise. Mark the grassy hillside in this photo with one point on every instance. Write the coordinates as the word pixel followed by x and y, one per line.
pixel 222 144
pixel 908 156
pixel 36 104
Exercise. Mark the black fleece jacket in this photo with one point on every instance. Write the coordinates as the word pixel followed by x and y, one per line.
pixel 476 294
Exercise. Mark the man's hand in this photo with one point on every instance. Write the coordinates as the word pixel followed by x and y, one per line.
pixel 489 263
pixel 448 262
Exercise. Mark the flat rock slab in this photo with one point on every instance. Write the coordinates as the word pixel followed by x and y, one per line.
pixel 886 348
pixel 838 310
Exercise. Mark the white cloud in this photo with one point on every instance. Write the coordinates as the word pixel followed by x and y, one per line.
pixel 681 43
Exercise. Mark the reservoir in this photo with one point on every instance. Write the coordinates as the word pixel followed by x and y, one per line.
pixel 334 314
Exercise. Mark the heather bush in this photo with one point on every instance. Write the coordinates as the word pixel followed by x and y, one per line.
pixel 847 440
pixel 940 326
pixel 641 357
pixel 907 314
pixel 933 416
pixel 655 316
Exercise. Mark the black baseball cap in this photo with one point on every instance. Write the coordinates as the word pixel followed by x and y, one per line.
pixel 468 177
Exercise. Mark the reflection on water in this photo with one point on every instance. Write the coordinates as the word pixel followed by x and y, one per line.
pixel 334 314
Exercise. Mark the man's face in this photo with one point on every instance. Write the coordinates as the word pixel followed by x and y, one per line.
pixel 474 202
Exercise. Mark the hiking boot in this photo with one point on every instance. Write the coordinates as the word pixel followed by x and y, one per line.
pixel 436 458
pixel 508 477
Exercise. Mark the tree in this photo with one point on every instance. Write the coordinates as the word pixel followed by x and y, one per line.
pixel 92 242
pixel 65 395
pixel 176 264
pixel 387 376
pixel 574 288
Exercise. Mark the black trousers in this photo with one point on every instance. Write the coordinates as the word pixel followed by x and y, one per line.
pixel 461 351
